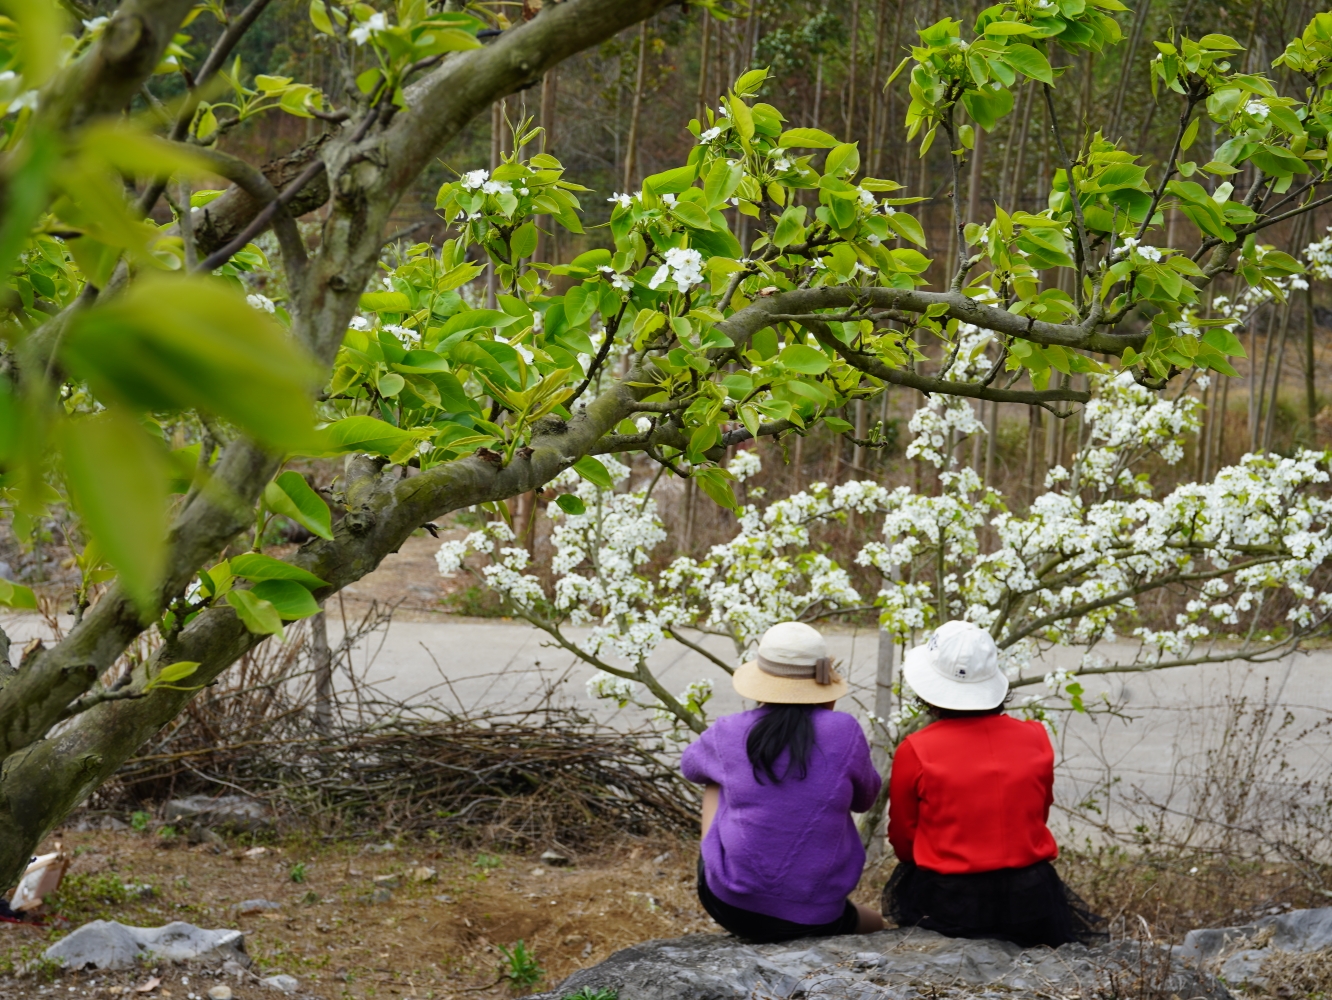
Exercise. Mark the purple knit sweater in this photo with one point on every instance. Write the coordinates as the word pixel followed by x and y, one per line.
pixel 789 850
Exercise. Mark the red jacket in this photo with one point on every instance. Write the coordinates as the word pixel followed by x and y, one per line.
pixel 973 795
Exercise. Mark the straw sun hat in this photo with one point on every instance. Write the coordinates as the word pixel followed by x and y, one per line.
pixel 957 669
pixel 792 668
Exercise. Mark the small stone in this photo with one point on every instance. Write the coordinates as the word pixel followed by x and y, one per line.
pixel 220 993
pixel 387 847
pixel 388 881
pixel 538 871
pixel 256 852
pixel 443 899
pixel 661 859
pixel 555 859
pixel 423 874
pixel 251 906
pixel 287 984
pixel 380 895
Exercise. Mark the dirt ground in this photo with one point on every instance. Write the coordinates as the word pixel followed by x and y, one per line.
pixel 438 932
pixel 437 937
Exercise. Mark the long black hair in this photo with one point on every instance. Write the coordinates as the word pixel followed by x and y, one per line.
pixel 781 727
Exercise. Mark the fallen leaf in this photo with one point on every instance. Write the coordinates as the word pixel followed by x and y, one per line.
pixel 149 986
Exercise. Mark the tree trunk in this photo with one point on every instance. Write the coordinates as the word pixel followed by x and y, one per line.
pixel 1310 385
pixel 1274 398
pixel 323 672
pixel 872 822
pixel 875 141
pixel 849 109
pixel 705 42
pixel 631 148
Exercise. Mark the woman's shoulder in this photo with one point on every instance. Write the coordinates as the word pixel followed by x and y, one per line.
pixel 833 722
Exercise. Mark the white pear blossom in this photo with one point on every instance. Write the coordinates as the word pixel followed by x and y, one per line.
pixel 684 265
pixel 473 179
pixel 746 465
pixel 1258 109
pixel 708 135
pixel 621 199
pixel 374 23
pixel 261 302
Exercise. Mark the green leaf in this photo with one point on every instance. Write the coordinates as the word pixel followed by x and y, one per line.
pixel 570 504
pixel 594 472
pixel 806 138
pixel 670 181
pixel 722 180
pixel 168 677
pixel 907 227
pixel 999 29
pixel 523 241
pixel 378 302
pixel 15 595
pixel 791 226
pixel 1225 341
pixel 256 614
pixel 716 483
pixel 749 83
pixel 691 215
pixel 257 567
pixel 843 160
pixel 804 359
pixel 289 599
pixel 177 671
pixel 1029 61
pixel 364 434
pixel 1190 134
pixel 291 496
pixel 742 117
pixel 118 479
pixel 171 344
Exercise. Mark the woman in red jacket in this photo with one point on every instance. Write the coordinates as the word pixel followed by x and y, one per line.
pixel 969 798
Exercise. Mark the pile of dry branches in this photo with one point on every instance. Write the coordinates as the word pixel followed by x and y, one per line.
pixel 374 767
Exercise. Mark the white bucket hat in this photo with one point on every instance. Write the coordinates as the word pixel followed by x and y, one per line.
pixel 792 668
pixel 957 669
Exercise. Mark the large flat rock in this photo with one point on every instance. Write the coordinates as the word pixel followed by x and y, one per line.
pixel 889 965
pixel 106 944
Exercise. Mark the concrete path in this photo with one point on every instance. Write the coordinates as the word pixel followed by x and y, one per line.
pixel 1179 732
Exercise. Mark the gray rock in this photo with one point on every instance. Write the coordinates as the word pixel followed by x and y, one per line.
pixel 1237 954
pixel 287 984
pixel 235 812
pixel 106 944
pixel 889 965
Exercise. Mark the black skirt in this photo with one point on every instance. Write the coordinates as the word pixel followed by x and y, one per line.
pixel 763 929
pixel 1028 906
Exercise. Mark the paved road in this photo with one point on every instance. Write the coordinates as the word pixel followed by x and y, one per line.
pixel 1173 722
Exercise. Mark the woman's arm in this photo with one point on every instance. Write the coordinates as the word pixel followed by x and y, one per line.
pixel 904 801
pixel 711 799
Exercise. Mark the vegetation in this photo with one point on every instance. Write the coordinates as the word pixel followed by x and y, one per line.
pixel 775 275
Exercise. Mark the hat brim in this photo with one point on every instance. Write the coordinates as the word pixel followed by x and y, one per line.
pixel 943 692
pixel 752 683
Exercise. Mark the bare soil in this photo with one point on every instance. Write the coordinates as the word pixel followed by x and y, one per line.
pixel 441 936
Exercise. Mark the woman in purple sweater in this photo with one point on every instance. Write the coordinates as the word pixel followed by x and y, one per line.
pixel 780 851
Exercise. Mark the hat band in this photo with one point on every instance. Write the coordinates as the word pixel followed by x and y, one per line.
pixel 820 671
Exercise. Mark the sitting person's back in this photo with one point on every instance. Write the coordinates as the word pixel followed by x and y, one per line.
pixel 780 850
pixel 973 794
pixel 788 848
pixel 969 800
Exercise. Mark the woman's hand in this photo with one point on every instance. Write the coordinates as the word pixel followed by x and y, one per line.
pixel 711 799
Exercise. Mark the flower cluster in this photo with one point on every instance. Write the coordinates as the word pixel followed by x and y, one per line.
pixel 683 265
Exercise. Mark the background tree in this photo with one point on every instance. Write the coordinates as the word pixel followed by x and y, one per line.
pixel 753 291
